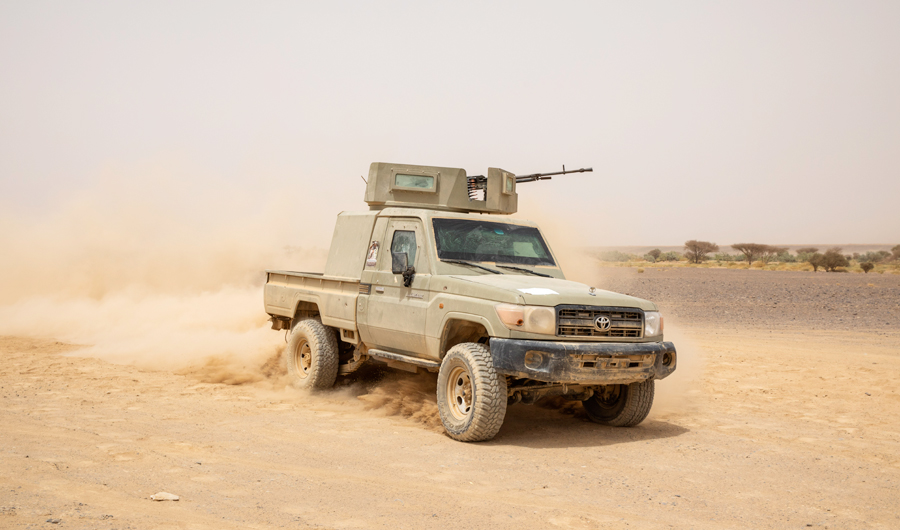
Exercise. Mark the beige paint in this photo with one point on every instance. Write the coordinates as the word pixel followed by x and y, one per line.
pixel 396 314
pixel 450 190
pixel 351 231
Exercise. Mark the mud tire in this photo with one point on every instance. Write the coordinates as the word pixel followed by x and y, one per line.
pixel 629 409
pixel 479 417
pixel 311 355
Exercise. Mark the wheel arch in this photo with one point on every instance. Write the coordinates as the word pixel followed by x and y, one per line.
pixel 461 327
pixel 304 309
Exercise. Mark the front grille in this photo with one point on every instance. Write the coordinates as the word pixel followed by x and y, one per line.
pixel 578 321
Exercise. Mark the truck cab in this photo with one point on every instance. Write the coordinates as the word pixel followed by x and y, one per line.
pixel 436 276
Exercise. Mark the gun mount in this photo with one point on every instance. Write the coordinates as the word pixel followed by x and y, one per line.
pixel 445 188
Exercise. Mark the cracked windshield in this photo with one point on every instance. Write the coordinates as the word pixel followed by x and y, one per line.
pixel 470 240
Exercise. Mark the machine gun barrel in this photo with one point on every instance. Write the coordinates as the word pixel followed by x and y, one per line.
pixel 547 176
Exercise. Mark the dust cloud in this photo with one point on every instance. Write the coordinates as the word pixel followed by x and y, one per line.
pixel 409 396
pixel 564 233
pixel 150 274
pixel 680 392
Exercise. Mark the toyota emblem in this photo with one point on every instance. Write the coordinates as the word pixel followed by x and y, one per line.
pixel 602 323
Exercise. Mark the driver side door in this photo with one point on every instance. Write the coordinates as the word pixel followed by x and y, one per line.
pixel 395 313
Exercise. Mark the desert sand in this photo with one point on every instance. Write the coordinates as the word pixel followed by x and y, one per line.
pixel 774 419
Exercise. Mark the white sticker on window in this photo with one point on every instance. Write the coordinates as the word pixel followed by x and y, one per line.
pixel 537 291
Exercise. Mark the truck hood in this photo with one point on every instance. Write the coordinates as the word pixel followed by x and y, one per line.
pixel 535 290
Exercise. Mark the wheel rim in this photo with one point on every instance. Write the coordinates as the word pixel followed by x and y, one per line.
pixel 459 393
pixel 609 399
pixel 303 359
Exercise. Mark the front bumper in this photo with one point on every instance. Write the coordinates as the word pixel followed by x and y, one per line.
pixel 586 363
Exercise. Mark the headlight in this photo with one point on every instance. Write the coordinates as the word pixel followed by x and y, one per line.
pixel 653 323
pixel 531 319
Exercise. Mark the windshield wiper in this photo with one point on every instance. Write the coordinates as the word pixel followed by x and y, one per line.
pixel 525 270
pixel 461 262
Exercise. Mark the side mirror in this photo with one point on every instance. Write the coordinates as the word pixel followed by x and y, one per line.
pixel 399 262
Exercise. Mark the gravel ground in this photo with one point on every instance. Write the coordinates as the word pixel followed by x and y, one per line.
pixel 740 299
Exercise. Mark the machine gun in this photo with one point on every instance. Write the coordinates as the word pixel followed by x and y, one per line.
pixel 547 176
pixel 478 184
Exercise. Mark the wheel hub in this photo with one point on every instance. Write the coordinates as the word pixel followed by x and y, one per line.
pixel 609 397
pixel 459 390
pixel 304 359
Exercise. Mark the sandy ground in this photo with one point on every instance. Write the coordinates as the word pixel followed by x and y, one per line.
pixel 761 427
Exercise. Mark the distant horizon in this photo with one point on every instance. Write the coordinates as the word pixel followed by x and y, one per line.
pixel 852 247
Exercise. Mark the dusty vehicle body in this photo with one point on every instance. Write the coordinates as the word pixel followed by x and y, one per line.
pixel 424 281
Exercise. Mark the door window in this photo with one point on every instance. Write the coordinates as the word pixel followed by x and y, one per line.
pixel 405 241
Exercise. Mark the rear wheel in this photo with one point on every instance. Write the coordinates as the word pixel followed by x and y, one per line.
pixel 471 395
pixel 621 405
pixel 312 355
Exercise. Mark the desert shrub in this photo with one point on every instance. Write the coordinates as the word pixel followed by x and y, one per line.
pixel 724 256
pixel 874 257
pixel 669 256
pixel 650 258
pixel 832 259
pixel 614 255
pixel 816 260
pixel 807 250
pixel 696 251
pixel 895 252
pixel 770 252
pixel 866 267
pixel 786 257
pixel 655 253
pixel 640 270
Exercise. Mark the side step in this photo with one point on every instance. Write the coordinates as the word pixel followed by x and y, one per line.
pixel 404 362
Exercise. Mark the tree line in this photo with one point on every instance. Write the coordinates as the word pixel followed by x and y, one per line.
pixel 830 260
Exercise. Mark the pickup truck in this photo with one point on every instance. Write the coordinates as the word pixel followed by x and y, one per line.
pixel 435 276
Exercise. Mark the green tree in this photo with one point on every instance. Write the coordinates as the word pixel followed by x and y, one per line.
pixel 696 251
pixel 833 259
pixel 751 251
pixel 769 252
pixel 874 257
pixel 816 260
pixel 655 253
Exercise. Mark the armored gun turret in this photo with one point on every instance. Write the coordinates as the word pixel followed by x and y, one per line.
pixel 439 188
pixel 447 188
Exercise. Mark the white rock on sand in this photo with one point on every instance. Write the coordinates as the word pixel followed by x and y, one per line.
pixel 163 496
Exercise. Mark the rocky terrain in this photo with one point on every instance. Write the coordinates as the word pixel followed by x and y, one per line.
pixel 732 298
pixel 782 414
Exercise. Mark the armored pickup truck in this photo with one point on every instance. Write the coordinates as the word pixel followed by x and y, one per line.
pixel 434 276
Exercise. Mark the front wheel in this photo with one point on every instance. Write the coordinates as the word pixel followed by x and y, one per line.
pixel 621 405
pixel 471 395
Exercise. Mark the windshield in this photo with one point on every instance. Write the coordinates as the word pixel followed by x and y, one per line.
pixel 476 240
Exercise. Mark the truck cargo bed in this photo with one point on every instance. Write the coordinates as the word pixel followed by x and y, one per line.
pixel 335 296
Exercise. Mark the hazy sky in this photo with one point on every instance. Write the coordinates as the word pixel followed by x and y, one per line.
pixel 776 122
